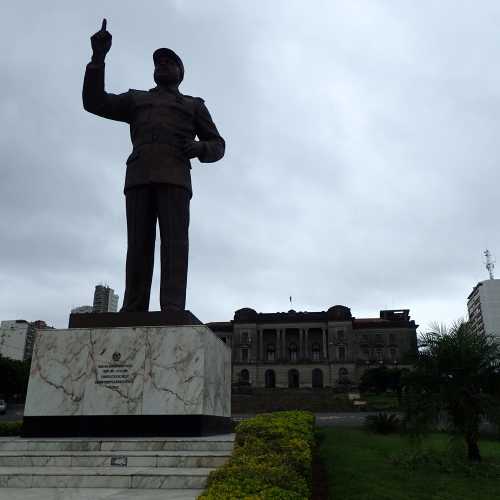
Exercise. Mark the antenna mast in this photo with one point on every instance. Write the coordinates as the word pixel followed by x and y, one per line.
pixel 490 263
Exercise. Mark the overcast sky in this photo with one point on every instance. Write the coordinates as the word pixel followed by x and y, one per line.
pixel 361 165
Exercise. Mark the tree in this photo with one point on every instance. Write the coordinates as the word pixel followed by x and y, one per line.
pixel 14 377
pixel 457 373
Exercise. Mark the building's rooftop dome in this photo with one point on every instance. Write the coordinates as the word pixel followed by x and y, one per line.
pixel 339 313
pixel 245 314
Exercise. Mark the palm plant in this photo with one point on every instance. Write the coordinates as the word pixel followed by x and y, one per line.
pixel 457 373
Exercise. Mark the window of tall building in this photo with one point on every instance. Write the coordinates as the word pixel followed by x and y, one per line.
pixel 292 350
pixel 394 354
pixel 244 337
pixel 340 336
pixel 380 354
pixel 380 338
pixel 366 353
pixel 392 338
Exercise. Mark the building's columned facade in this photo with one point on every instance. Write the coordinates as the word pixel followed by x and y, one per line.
pixel 315 349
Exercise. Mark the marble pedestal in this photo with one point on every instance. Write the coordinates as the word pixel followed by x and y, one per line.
pixel 129 381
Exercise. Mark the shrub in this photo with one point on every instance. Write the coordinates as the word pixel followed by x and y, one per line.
pixel 272 460
pixel 383 423
pixel 10 428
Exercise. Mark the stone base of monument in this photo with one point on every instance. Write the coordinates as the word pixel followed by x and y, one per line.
pixel 117 463
pixel 129 381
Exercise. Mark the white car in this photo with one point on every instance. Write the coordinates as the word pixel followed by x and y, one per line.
pixel 3 407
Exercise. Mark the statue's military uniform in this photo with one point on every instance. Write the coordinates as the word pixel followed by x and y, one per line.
pixel 158 180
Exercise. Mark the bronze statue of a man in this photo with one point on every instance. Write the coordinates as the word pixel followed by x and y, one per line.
pixel 163 126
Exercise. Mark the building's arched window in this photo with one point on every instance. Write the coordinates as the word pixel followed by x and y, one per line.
pixel 394 354
pixel 293 379
pixel 270 378
pixel 317 378
pixel 316 351
pixel 343 375
pixel 271 352
pixel 292 350
pixel 245 376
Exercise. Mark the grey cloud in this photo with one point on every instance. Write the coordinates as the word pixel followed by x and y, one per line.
pixel 361 163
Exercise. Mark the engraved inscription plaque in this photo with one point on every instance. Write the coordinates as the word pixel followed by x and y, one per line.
pixel 113 374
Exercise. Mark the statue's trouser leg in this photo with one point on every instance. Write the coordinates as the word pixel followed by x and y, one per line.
pixel 141 233
pixel 173 216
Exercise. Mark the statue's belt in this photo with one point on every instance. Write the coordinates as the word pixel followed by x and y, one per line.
pixel 161 136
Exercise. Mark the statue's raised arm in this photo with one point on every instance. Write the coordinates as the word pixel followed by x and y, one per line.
pixel 95 98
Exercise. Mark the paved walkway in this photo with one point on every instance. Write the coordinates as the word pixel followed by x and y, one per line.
pixel 95 494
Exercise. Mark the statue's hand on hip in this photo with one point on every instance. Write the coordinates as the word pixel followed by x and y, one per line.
pixel 193 149
pixel 101 43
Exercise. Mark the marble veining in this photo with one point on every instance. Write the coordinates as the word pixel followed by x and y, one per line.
pixel 171 370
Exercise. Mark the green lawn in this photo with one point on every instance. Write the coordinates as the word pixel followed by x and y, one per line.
pixel 360 467
pixel 381 402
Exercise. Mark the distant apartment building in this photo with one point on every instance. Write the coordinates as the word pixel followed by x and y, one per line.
pixel 483 305
pixel 17 338
pixel 105 299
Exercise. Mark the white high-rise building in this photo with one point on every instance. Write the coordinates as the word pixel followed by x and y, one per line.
pixel 17 338
pixel 483 305
pixel 14 335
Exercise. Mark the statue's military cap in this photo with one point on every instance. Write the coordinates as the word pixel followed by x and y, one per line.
pixel 171 55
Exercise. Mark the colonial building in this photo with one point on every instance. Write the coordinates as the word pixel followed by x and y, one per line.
pixel 315 349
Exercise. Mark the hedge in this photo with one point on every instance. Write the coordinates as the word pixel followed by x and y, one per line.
pixel 10 428
pixel 272 460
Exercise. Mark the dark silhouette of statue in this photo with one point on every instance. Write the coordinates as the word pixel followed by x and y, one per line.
pixel 163 126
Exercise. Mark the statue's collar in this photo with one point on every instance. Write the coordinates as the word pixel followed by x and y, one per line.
pixel 165 90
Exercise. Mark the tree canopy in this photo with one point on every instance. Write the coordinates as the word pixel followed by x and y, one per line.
pixel 14 377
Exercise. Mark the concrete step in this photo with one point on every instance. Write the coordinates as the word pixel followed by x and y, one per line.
pixel 97 494
pixel 104 477
pixel 223 442
pixel 113 458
